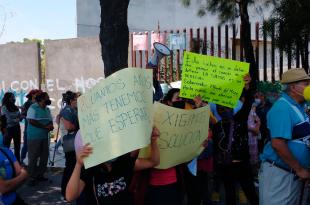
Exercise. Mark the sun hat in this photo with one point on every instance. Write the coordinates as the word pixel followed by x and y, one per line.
pixel 294 75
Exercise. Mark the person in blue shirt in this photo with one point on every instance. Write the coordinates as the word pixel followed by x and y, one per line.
pixel 31 99
pixel 285 159
pixel 12 175
pixel 40 124
pixel 69 117
pixel 12 115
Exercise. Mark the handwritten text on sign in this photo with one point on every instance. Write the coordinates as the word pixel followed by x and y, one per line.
pixel 115 115
pixel 182 133
pixel 215 79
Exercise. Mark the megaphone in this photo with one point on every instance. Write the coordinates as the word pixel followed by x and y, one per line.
pixel 161 51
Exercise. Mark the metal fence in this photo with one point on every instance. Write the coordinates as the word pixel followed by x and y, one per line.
pixel 222 41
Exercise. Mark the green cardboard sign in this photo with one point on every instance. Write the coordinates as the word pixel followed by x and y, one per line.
pixel 216 80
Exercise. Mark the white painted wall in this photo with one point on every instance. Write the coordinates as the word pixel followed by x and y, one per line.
pixel 144 15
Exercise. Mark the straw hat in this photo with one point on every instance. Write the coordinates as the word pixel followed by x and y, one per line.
pixel 294 75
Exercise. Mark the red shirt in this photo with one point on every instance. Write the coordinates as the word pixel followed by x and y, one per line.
pixel 160 177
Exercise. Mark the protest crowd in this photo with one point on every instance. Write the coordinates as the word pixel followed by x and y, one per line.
pixel 255 153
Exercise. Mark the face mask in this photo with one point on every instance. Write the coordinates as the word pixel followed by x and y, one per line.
pixel 257 101
pixel 48 102
pixel 179 104
pixel 272 99
pixel 306 93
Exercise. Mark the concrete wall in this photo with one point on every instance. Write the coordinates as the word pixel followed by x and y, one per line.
pixel 19 69
pixel 72 64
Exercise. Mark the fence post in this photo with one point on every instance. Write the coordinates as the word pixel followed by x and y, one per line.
pixel 241 42
pixel 265 53
pixel 178 63
pixel 289 57
pixel 190 35
pixel 146 53
pixel 171 64
pixel 257 47
pixel 165 63
pixel 131 47
pixel 205 47
pixel 198 37
pixel 233 52
pixel 219 44
pixel 272 53
pixel 184 31
pixel 212 41
pixel 297 56
pixel 226 42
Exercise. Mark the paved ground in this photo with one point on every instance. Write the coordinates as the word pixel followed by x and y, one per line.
pixel 47 193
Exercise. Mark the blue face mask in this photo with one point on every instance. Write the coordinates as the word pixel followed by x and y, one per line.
pixel 257 101
pixel 272 99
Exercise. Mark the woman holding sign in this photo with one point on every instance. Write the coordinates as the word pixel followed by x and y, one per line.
pixel 108 183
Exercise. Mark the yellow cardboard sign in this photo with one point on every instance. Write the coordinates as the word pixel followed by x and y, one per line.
pixel 216 80
pixel 182 133
pixel 115 115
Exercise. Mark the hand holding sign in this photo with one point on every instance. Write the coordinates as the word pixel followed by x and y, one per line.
pixel 182 133
pixel 247 80
pixel 83 153
pixel 215 79
pixel 115 115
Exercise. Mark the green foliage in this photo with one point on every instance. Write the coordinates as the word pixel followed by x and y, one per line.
pixel 291 19
pixel 228 10
pixel 42 52
pixel 272 87
pixel 186 2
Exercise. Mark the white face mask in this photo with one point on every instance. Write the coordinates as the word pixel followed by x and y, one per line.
pixel 302 92
pixel 257 101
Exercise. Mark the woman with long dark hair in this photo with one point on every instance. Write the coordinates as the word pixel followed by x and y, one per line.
pixel 69 117
pixel 12 114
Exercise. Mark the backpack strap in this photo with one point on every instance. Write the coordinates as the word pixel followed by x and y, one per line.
pixel 11 161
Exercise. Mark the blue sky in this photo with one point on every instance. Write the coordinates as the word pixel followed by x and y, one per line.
pixel 42 19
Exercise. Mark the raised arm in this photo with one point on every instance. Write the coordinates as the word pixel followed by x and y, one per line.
pixel 75 185
pixel 154 159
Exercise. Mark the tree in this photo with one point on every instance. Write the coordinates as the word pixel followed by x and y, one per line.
pixel 290 19
pixel 229 10
pixel 114 35
pixel 42 55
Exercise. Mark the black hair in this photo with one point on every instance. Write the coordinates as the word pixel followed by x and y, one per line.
pixel 11 107
pixel 41 96
pixel 68 96
pixel 169 95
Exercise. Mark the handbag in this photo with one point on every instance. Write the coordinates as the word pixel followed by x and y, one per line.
pixel 68 142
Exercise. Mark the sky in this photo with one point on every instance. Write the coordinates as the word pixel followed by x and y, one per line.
pixel 41 19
